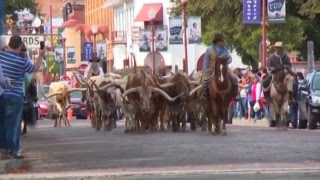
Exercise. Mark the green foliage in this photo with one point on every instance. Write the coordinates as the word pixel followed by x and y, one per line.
pixel 16 5
pixel 226 17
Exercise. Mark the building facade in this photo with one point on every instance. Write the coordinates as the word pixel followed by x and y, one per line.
pixel 133 16
pixel 95 14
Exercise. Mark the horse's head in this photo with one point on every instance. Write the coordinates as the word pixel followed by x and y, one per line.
pixel 286 79
pixel 290 79
pixel 221 68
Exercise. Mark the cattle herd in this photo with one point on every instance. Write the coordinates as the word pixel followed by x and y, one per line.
pixel 149 102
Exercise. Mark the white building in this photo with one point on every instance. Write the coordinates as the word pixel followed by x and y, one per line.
pixel 129 16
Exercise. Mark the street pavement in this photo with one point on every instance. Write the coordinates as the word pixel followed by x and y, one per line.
pixel 245 153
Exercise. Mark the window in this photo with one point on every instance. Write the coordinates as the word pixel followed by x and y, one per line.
pixel 315 82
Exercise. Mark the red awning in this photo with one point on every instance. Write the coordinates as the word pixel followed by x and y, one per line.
pixel 146 9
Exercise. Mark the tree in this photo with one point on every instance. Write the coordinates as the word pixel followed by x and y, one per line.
pixel 226 17
pixel 16 5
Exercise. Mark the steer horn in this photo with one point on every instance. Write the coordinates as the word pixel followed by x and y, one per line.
pixel 129 91
pixel 50 95
pixel 194 82
pixel 76 89
pixel 195 90
pixel 77 78
pixel 164 94
pixel 111 84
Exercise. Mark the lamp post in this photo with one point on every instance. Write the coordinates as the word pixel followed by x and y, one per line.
pixel 152 15
pixel 94 30
pixel 264 34
pixel 184 4
pixel 64 38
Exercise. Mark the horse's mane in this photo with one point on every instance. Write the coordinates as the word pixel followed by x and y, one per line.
pixel 279 76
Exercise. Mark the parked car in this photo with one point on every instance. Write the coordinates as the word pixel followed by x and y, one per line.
pixel 79 108
pixel 47 109
pixel 309 101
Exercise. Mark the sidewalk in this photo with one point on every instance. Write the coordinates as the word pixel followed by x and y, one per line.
pixel 245 122
pixel 10 164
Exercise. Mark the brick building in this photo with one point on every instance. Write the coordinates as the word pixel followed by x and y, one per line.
pixel 95 14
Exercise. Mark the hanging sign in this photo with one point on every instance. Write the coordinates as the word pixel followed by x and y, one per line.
pixel 251 11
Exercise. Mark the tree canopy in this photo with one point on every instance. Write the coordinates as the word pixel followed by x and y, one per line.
pixel 16 5
pixel 302 24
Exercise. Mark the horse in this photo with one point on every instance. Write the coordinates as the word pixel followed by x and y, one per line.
pixel 30 114
pixel 281 89
pixel 220 93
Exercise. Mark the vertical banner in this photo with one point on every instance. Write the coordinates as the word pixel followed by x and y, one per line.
pixel 88 50
pixel 194 25
pixel 161 39
pixel 251 12
pixel 145 40
pixel 102 50
pixel 276 11
pixel 59 54
pixel 2 15
pixel 71 55
pixel 175 30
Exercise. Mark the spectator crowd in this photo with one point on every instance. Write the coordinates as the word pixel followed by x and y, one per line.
pixel 251 103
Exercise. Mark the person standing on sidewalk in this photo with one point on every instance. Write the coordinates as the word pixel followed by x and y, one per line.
pixel 15 67
pixel 4 83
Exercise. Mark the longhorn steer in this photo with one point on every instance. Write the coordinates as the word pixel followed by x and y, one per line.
pixel 143 93
pixel 196 113
pixel 177 110
pixel 105 93
pixel 59 93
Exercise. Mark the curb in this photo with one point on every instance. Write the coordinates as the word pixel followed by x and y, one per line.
pixel 252 123
pixel 6 165
pixel 130 173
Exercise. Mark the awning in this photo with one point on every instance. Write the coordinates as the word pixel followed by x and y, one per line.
pixel 147 9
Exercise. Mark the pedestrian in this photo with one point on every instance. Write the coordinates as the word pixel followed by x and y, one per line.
pixel 4 83
pixel 15 67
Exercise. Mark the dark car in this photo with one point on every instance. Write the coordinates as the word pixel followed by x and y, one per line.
pixel 79 108
pixel 309 101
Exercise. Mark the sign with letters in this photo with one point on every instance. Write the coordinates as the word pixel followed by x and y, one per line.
pixel 276 11
pixel 88 50
pixel 175 30
pixel 251 12
pixel 31 41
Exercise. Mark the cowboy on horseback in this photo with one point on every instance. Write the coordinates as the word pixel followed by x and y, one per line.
pixel 277 62
pixel 217 50
pixel 94 68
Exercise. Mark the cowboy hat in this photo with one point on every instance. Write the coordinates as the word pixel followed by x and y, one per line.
pixel 278 44
pixel 94 59
pixel 217 37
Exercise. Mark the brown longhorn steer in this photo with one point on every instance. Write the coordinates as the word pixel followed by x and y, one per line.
pixel 142 92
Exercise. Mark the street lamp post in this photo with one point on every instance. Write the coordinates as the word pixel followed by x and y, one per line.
pixel 94 30
pixel 152 15
pixel 64 38
pixel 184 4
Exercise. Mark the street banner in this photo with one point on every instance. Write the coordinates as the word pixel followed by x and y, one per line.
pixel 161 39
pixel 102 50
pixel 71 55
pixel 88 50
pixel 145 40
pixel 59 54
pixel 194 25
pixel 251 12
pixel 175 30
pixel 276 11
